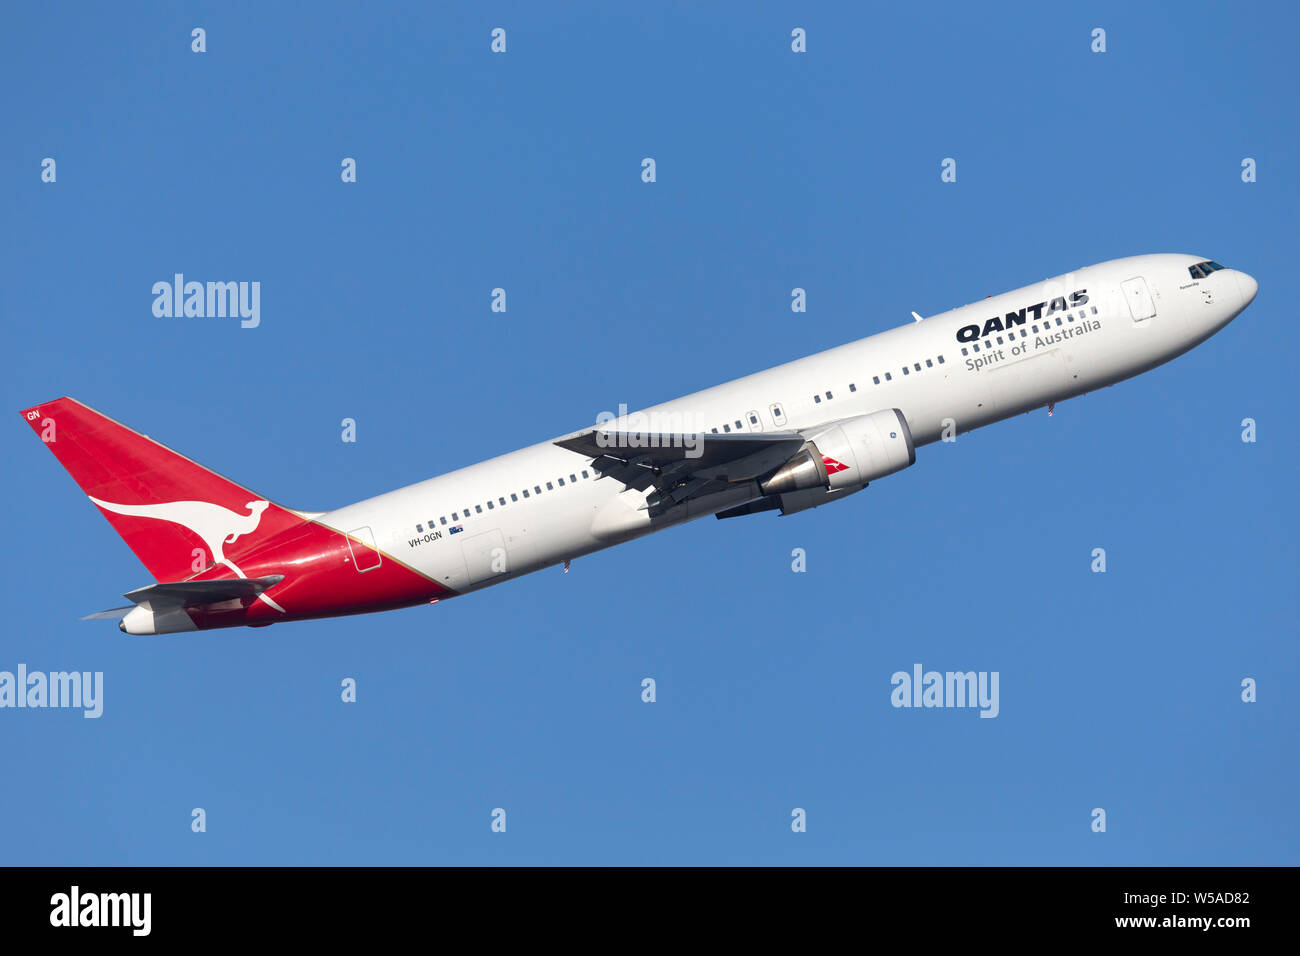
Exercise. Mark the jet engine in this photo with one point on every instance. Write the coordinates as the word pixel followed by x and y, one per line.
pixel 844 456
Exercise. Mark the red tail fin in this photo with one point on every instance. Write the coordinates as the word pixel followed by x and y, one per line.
pixel 177 516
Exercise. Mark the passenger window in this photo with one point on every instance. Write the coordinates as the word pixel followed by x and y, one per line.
pixel 585 475
pixel 941 358
pixel 753 419
pixel 573 478
pixel 513 496
pixel 917 366
pixel 817 399
pixel 502 502
pixel 829 395
pixel 888 377
pixel 537 489
pixel 560 480
pixel 875 379
pixel 442 520
pixel 964 350
pixel 929 363
pixel 738 425
pixel 490 506
pixel 525 493
pixel 478 509
pixel 852 387
pixel 906 370
pixel 455 516
pixel 550 487
pixel 419 529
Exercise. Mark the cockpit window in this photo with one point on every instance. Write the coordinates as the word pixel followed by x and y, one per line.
pixel 1203 269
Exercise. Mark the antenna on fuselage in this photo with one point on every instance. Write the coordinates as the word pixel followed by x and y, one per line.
pixel 917 317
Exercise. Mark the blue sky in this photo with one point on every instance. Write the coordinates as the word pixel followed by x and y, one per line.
pixel 775 170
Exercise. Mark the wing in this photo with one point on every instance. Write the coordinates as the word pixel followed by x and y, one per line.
pixel 682 466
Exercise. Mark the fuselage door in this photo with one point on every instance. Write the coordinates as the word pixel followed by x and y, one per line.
pixel 1138 297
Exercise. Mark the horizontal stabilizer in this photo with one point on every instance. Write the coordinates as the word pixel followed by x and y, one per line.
pixel 178 594
pixel 112 614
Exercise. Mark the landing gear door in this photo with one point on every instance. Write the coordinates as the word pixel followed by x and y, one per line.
pixel 1140 304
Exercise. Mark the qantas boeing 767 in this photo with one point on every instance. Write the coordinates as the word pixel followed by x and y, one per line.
pixel 794 437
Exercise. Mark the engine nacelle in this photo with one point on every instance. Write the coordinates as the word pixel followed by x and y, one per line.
pixel 847 455
pixel 865 448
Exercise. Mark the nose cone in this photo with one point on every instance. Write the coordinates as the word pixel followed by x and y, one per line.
pixel 1247 286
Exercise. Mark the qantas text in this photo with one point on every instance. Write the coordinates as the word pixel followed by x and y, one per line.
pixel 1030 313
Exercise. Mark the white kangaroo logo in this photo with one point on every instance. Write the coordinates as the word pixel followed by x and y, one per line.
pixel 217 526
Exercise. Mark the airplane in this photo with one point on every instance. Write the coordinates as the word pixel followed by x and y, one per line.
pixel 798 436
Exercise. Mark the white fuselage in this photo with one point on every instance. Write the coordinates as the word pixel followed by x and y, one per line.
pixel 1090 340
